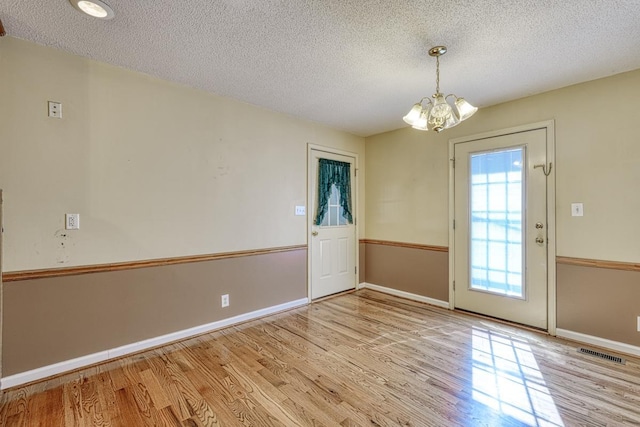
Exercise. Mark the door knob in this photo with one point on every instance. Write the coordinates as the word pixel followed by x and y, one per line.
pixel 314 233
pixel 539 239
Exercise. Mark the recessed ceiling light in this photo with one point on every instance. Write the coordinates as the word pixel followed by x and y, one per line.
pixel 95 8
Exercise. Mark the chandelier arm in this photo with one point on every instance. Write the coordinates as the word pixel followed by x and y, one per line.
pixel 451 94
pixel 428 105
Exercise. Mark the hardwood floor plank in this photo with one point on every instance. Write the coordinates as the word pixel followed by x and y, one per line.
pixel 46 409
pixel 160 365
pixel 129 414
pixel 156 392
pixel 106 392
pixel 199 408
pixel 169 418
pixel 359 359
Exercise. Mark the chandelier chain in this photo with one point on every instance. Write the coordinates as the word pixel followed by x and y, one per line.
pixel 437 74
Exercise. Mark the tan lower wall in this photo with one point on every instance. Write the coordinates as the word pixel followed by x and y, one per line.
pixel 600 302
pixel 413 269
pixel 60 318
pixel 362 262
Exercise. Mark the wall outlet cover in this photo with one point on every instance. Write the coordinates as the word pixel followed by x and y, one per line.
pixel 55 110
pixel 72 221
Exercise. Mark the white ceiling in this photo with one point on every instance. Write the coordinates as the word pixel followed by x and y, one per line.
pixel 352 65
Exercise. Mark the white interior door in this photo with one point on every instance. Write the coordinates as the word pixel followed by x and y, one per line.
pixel 500 231
pixel 333 242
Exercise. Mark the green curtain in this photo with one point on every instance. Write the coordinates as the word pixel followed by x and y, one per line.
pixel 333 172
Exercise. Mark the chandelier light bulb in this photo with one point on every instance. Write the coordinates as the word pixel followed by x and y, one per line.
pixel 465 110
pixel 414 114
pixel 452 121
pixel 422 122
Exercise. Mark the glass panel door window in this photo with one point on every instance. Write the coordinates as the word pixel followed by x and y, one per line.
pixel 496 222
pixel 335 214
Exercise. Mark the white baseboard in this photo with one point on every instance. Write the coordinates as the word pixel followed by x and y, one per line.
pixel 403 294
pixel 599 342
pixel 102 356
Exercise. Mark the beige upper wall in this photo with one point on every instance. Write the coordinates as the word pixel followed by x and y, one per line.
pixel 154 169
pixel 597 163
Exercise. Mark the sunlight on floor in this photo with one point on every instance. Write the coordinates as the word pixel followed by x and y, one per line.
pixel 507 379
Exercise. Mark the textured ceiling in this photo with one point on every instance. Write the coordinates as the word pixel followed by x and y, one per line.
pixel 352 65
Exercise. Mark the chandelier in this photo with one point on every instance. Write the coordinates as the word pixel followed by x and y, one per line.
pixel 438 114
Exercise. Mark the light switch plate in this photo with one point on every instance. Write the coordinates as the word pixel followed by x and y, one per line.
pixel 301 210
pixel 577 209
pixel 72 221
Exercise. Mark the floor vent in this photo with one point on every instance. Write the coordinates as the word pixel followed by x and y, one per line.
pixel 604 356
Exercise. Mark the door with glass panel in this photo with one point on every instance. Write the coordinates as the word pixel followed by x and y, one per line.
pixel 500 237
pixel 332 233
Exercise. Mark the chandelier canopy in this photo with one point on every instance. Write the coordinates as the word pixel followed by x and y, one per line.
pixel 438 114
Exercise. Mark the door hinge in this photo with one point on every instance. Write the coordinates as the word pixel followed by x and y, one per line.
pixel 453 162
pixel 454 224
pixel 454 285
pixel 356 268
pixel 356 171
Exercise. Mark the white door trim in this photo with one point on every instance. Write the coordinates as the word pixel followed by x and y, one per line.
pixel 356 190
pixel 1 284
pixel 549 126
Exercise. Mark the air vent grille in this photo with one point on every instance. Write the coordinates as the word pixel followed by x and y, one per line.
pixel 601 355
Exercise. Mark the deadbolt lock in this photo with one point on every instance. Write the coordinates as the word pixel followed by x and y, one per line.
pixel 539 225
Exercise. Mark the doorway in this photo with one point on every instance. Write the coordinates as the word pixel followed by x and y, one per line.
pixel 503 226
pixel 332 233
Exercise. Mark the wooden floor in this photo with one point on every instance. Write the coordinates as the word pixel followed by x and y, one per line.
pixel 361 359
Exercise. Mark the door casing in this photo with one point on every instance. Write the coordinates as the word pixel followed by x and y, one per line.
pixel 1 284
pixel 310 215
pixel 549 126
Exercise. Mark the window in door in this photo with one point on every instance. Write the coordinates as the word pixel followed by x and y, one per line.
pixel 335 213
pixel 497 204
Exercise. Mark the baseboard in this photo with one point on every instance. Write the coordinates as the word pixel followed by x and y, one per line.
pixel 403 294
pixel 102 356
pixel 599 342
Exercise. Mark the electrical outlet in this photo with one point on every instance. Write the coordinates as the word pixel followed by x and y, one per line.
pixel 225 300
pixel 301 210
pixel 72 221
pixel 55 110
